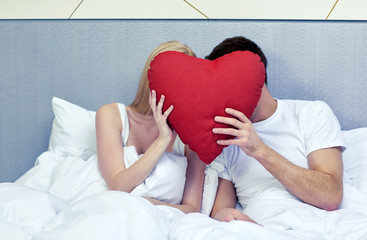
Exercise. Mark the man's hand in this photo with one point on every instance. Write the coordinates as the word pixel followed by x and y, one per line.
pixel 243 131
pixel 229 214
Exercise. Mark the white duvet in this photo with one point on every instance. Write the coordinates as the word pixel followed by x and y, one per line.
pixel 64 197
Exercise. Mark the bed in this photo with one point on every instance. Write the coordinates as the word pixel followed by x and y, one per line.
pixel 54 74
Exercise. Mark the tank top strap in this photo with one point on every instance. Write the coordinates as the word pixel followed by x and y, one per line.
pixel 125 122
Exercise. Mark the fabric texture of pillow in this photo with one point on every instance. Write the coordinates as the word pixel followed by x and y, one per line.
pixel 73 130
pixel 201 89
pixel 355 157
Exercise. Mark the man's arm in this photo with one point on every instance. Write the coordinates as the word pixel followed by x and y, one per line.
pixel 321 185
pixel 225 203
pixel 192 196
pixel 225 197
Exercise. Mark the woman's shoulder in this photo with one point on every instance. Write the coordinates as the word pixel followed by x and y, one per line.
pixel 108 109
pixel 109 113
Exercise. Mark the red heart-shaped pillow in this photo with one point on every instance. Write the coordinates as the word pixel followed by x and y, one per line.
pixel 201 89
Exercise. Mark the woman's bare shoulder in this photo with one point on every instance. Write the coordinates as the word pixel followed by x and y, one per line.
pixel 109 108
pixel 109 113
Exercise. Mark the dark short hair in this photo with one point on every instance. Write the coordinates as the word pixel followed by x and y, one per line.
pixel 238 43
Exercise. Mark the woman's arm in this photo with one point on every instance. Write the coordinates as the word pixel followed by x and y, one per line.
pixel 192 196
pixel 110 148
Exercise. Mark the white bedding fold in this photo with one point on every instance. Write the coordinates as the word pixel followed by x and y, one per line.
pixel 68 178
pixel 25 208
pixel 66 198
pixel 11 231
pixel 109 215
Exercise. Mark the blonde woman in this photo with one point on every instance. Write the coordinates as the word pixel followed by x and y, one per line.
pixel 139 153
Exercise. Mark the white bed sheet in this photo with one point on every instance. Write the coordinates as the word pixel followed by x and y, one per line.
pixel 66 198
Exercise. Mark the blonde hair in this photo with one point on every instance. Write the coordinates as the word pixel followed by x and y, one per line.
pixel 141 101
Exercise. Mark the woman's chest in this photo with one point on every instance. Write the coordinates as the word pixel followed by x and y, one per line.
pixel 142 137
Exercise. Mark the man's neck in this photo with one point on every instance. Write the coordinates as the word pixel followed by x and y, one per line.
pixel 266 106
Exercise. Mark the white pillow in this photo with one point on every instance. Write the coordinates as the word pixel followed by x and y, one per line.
pixel 355 157
pixel 73 130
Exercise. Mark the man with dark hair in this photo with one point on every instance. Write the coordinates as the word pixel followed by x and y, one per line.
pixel 237 44
pixel 291 145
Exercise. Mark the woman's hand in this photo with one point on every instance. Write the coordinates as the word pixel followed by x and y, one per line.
pixel 165 132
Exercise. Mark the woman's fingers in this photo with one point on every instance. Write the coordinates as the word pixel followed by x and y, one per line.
pixel 157 108
pixel 153 100
pixel 168 111
pixel 160 103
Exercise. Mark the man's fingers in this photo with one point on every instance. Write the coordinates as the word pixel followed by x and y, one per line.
pixel 228 142
pixel 228 218
pixel 226 131
pixel 229 121
pixel 242 117
pixel 240 216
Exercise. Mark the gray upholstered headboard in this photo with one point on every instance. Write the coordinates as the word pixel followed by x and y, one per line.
pixel 93 62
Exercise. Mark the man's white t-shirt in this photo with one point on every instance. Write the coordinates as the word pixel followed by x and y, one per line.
pixel 296 129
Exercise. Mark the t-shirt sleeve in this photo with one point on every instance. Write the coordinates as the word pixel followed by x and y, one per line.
pixel 322 128
pixel 220 166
